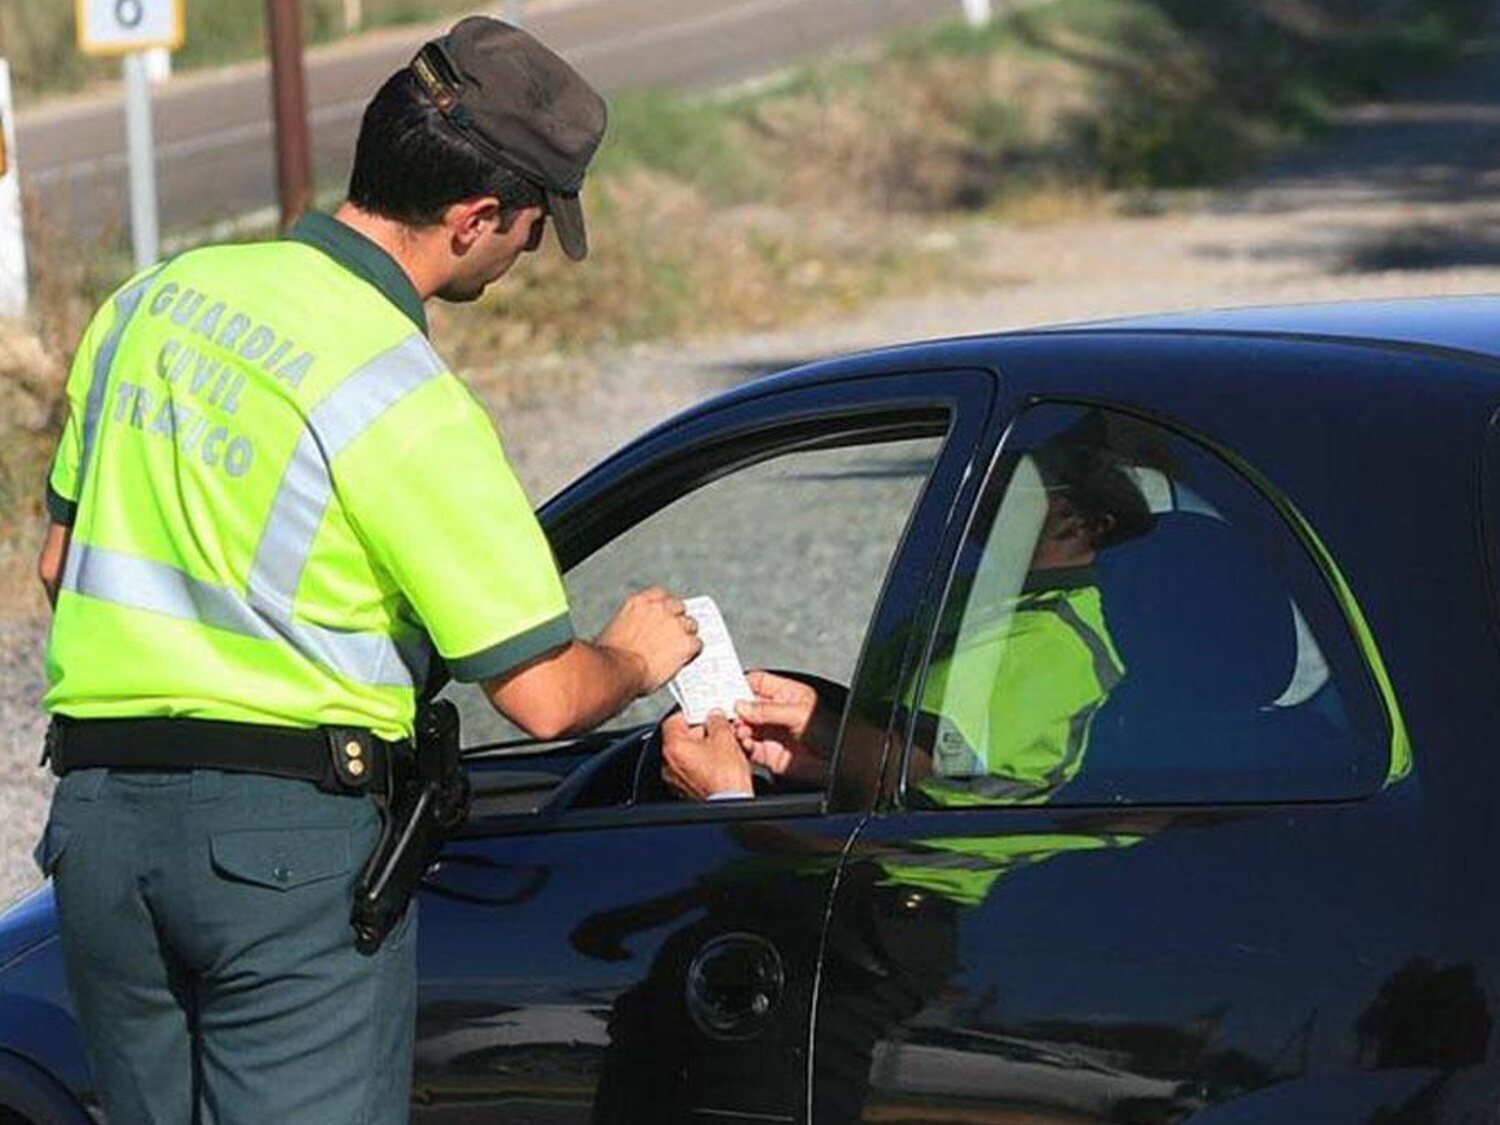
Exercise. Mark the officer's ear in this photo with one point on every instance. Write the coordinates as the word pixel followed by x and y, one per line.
pixel 470 220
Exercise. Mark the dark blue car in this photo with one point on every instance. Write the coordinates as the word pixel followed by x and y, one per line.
pixel 1158 780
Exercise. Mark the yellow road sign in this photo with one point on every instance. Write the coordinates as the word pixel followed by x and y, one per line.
pixel 117 27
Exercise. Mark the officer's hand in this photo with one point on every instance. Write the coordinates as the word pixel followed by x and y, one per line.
pixel 655 629
pixel 699 762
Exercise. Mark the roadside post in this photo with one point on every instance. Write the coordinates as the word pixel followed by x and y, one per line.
pixel 294 184
pixel 515 12
pixel 131 29
pixel 158 65
pixel 978 12
pixel 12 237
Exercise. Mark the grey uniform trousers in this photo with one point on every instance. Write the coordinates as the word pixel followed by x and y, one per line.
pixel 205 929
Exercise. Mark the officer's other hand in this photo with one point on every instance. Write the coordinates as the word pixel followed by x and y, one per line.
pixel 773 728
pixel 699 762
pixel 653 626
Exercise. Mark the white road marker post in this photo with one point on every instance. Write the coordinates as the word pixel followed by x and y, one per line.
pixel 133 28
pixel 978 12
pixel 13 292
pixel 158 65
pixel 145 228
pixel 515 12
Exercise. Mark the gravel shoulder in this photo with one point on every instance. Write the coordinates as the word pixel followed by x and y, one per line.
pixel 1400 199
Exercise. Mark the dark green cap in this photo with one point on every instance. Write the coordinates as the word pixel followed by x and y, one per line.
pixel 523 107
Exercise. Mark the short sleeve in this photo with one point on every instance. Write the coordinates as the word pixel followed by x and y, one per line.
pixel 65 475
pixel 438 505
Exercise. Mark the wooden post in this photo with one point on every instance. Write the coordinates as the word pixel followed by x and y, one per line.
pixel 289 103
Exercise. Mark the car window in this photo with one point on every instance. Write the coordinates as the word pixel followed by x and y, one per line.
pixel 1131 621
pixel 794 549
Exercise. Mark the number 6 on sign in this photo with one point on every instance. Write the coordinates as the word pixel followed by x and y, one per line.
pixel 116 27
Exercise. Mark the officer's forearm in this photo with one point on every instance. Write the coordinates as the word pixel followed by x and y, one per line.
pixel 569 690
pixel 49 564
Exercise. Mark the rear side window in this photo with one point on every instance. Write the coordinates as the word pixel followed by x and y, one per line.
pixel 1132 622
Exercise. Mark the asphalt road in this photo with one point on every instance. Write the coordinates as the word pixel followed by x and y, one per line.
pixel 213 129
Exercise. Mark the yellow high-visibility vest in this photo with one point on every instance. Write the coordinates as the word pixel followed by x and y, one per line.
pixel 1015 699
pixel 281 500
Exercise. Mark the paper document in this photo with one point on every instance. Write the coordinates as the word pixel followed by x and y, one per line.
pixel 715 679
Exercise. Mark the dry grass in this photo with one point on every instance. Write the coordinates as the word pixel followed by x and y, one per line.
pixel 668 263
pixel 30 385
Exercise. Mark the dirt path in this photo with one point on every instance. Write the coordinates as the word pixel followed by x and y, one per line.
pixel 1401 198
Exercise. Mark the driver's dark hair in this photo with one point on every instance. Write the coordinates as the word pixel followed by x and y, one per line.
pixel 1098 488
pixel 410 166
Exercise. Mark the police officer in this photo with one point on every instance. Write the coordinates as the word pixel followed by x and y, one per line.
pixel 270 501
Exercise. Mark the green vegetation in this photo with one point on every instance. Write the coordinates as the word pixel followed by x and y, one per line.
pixel 1114 93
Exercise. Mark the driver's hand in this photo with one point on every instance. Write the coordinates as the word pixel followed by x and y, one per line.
pixel 653 626
pixel 702 762
pixel 773 729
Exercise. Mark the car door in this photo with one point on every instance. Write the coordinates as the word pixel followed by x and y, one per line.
pixel 1136 865
pixel 593 949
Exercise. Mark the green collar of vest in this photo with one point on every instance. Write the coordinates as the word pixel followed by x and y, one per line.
pixel 364 259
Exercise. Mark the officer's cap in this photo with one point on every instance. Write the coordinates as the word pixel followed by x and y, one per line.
pixel 523 107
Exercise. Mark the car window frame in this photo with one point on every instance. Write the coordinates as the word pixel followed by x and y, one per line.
pixel 711 442
pixel 1331 591
pixel 1489 517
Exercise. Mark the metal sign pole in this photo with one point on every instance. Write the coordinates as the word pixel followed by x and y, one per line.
pixel 978 12
pixel 144 229
pixel 13 295
pixel 132 29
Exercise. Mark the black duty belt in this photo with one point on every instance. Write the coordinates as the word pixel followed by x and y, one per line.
pixel 335 759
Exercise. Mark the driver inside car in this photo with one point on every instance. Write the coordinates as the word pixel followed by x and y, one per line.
pixel 1005 715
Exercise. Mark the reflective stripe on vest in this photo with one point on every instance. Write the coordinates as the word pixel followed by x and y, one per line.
pixel 1106 672
pixel 265 611
pixel 126 302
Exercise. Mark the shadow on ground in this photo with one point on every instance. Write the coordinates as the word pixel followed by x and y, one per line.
pixel 1433 141
pixel 1425 247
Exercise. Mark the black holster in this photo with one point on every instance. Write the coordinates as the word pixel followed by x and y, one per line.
pixel 428 798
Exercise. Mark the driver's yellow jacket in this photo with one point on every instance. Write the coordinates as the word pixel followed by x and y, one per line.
pixel 1015 699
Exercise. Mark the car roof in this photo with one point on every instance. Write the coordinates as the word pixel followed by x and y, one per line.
pixel 1465 328
pixel 1461 324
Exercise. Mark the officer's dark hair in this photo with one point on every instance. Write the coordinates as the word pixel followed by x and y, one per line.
pixel 410 166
